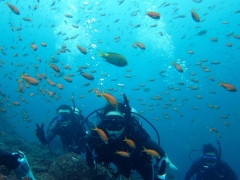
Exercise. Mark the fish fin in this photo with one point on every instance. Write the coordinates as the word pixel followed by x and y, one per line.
pixel 21 76
pixel 220 83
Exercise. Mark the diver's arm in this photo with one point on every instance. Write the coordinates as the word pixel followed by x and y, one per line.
pixel 233 175
pixel 193 170
pixel 41 134
pixel 49 137
pixel 229 173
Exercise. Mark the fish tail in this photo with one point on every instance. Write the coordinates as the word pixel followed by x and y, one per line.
pixel 94 128
pixel 98 94
pixel 143 149
pixel 21 76
pixel 7 3
pixel 80 71
pixel 100 53
pixel 220 83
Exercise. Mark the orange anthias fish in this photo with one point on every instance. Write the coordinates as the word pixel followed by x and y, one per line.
pixel 226 124
pixel 68 79
pixel 30 80
pixel 55 68
pixel 81 49
pixel 3 110
pixel 153 15
pixel 86 75
pixel 60 86
pixel 13 8
pixel 44 75
pixel 43 44
pixel 123 153
pixel 213 130
pixel 39 76
pixel 177 66
pixel 102 134
pixel 33 46
pixel 109 98
pixel 130 143
pixel 195 16
pixel 140 45
pixel 228 87
pixel 16 103
pixel 151 152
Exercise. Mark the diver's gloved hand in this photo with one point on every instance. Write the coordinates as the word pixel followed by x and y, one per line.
pixel 161 177
pixel 40 132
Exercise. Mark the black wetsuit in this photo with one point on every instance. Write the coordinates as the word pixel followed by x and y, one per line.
pixel 73 136
pixel 9 160
pixel 221 171
pixel 101 152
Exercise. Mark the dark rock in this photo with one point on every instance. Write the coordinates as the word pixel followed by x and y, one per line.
pixel 68 166
pixel 71 166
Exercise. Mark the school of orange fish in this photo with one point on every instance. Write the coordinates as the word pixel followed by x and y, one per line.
pixel 58 73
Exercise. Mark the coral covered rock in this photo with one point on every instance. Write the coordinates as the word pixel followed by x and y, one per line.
pixel 71 166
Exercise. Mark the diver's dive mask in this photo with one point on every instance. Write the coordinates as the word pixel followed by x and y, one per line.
pixel 210 160
pixel 114 123
pixel 64 117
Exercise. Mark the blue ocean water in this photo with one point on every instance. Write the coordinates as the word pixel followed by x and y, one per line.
pixel 182 106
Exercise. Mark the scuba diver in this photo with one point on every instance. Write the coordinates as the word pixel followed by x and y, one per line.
pixel 120 139
pixel 16 161
pixel 70 128
pixel 210 166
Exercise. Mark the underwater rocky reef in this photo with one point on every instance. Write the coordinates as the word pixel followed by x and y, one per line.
pixel 44 165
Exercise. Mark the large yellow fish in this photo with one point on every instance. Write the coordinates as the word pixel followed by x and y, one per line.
pixel 113 58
